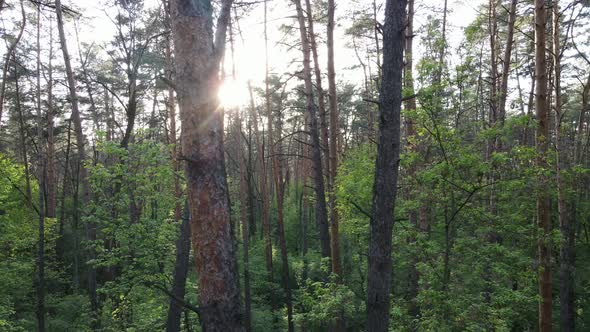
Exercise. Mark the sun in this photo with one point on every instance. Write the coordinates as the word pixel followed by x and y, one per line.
pixel 233 94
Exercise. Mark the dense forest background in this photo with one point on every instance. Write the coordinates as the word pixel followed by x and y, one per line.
pixel 106 125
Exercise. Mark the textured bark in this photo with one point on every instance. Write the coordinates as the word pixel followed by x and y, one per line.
pixel 386 169
pixel 542 144
pixel 183 248
pixel 566 267
pixel 197 57
pixel 90 228
pixel 321 212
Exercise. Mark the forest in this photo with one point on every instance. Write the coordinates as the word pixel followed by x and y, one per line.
pixel 295 165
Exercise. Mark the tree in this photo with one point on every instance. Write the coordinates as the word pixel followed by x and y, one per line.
pixel 542 145
pixel 198 53
pixel 386 168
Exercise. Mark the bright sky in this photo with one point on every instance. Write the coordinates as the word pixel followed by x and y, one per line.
pixel 249 53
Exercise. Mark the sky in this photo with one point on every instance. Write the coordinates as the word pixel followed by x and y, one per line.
pixel 249 51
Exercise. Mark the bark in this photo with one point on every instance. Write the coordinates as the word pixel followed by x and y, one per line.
pixel 316 155
pixel 542 144
pixel 183 248
pixel 333 151
pixel 9 54
pixel 386 169
pixel 90 228
pixel 198 53
pixel 566 267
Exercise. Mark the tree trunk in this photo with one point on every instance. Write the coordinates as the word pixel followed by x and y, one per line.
pixel 197 57
pixel 244 218
pixel 386 169
pixel 22 137
pixel 542 144
pixel 279 185
pixel 9 53
pixel 334 130
pixel 183 248
pixel 506 63
pixel 566 268
pixel 51 172
pixel 41 177
pixel 413 145
pixel 316 154
pixel 83 173
pixel 321 93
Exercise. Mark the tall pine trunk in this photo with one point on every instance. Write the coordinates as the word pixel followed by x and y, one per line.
pixel 542 144
pixel 198 53
pixel 386 169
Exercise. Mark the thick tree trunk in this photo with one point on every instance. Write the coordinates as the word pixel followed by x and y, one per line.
pixel 197 59
pixel 183 248
pixel 316 154
pixel 386 169
pixel 542 144
pixel 90 227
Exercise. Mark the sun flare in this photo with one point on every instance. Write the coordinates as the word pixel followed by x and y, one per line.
pixel 233 94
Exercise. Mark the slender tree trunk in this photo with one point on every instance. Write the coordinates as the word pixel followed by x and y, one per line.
pixel 413 145
pixel 506 63
pixel 321 93
pixel 334 130
pixel 9 54
pixel 22 137
pixel 386 169
pixel 566 268
pixel 198 53
pixel 316 154
pixel 51 172
pixel 41 177
pixel 542 144
pixel 244 217
pixel 183 248
pixel 279 185
pixel 83 173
